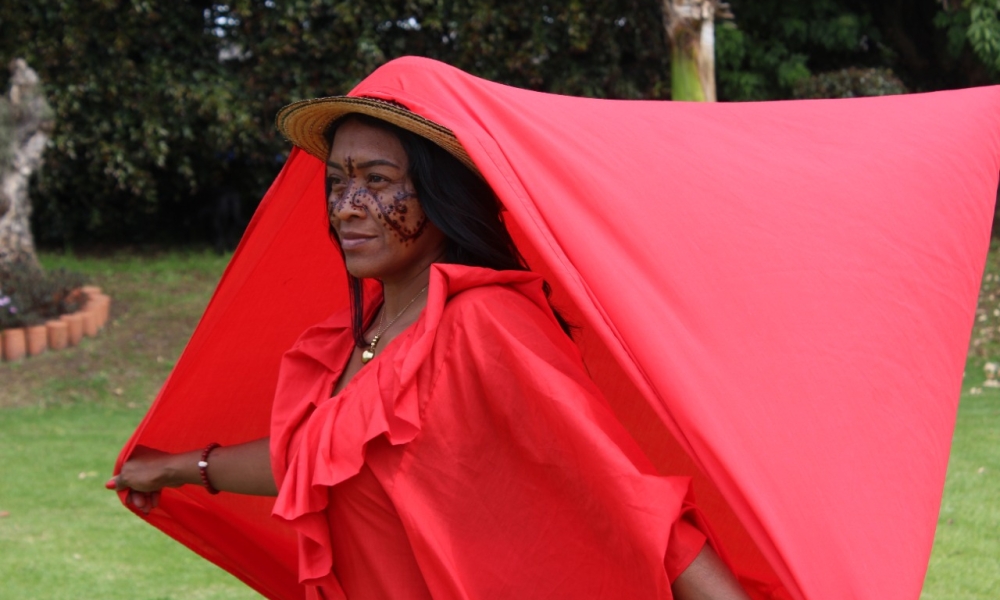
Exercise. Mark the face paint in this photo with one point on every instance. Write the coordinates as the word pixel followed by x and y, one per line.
pixel 394 213
pixel 391 204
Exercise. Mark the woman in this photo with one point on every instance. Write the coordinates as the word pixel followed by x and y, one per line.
pixel 443 439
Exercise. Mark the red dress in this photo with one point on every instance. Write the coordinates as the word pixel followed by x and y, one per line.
pixel 473 458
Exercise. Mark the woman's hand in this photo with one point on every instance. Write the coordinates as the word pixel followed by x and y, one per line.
pixel 147 471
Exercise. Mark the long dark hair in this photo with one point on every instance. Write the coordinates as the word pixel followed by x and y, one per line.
pixel 457 201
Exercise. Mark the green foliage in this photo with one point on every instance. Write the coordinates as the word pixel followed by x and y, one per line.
pixel 584 47
pixel 142 106
pixel 984 30
pixel 774 45
pixel 976 22
pixel 159 103
pixel 849 83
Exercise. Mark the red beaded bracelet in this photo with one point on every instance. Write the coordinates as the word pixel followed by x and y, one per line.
pixel 203 467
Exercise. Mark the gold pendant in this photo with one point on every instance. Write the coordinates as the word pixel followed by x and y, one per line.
pixel 367 355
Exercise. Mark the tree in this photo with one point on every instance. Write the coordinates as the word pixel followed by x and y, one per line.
pixel 25 123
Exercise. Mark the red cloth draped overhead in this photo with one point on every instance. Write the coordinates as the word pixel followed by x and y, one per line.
pixel 776 299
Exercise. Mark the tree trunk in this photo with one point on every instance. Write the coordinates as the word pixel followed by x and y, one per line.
pixel 690 26
pixel 27 120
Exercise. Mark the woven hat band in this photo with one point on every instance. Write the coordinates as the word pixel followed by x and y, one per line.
pixel 305 123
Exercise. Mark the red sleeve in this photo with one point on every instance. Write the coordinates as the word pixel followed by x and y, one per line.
pixel 686 541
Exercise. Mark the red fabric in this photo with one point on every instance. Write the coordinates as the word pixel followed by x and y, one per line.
pixel 372 556
pixel 776 299
pixel 513 477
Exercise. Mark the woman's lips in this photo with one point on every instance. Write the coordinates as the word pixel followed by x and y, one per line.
pixel 352 241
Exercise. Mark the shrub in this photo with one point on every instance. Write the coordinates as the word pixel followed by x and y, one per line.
pixel 849 83
pixel 28 296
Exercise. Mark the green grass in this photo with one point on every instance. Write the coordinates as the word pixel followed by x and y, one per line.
pixel 64 416
pixel 965 562
pixel 65 536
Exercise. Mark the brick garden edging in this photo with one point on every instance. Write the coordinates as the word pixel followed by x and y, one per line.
pixel 60 333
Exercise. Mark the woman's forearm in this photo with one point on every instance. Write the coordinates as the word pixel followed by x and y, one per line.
pixel 241 469
pixel 708 578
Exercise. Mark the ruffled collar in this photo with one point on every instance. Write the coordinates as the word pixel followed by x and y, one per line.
pixel 324 341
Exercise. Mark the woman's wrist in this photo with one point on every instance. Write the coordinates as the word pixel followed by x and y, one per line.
pixel 203 468
pixel 181 469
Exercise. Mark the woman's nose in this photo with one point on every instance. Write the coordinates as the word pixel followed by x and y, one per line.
pixel 345 205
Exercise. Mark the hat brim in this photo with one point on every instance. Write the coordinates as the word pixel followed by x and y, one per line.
pixel 304 123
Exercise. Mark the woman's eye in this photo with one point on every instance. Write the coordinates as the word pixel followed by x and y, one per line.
pixel 375 178
pixel 334 183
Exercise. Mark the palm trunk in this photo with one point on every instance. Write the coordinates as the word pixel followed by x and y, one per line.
pixel 23 135
pixel 690 26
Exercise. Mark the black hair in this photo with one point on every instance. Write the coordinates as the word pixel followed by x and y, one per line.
pixel 457 201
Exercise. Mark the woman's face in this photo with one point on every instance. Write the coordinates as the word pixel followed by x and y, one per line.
pixel 373 206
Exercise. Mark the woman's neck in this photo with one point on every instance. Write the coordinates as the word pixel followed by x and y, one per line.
pixel 398 295
pixel 398 291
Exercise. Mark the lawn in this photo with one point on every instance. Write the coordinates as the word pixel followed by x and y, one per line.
pixel 64 416
pixel 965 562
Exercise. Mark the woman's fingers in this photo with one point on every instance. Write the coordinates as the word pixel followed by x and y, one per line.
pixel 140 476
pixel 143 501
pixel 116 483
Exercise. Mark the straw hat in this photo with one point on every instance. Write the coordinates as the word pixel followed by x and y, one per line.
pixel 303 123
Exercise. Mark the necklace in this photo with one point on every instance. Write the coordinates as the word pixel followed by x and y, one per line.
pixel 369 354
